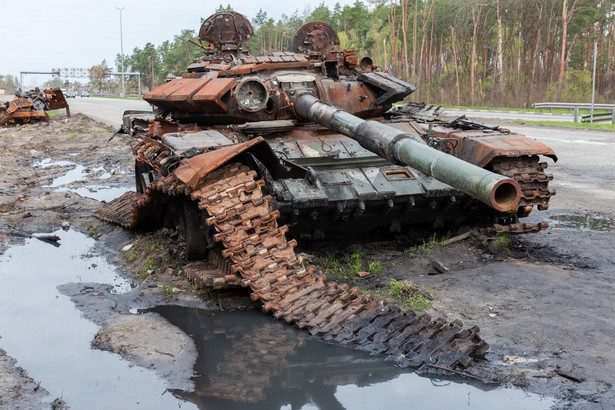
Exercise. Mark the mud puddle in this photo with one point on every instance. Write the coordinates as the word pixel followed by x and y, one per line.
pixel 49 338
pixel 582 222
pixel 247 360
pixel 79 173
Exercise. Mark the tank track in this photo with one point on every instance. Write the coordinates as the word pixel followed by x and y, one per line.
pixel 532 179
pixel 265 261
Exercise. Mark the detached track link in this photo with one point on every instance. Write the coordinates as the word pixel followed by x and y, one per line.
pixel 267 263
pixel 531 176
pixel 261 258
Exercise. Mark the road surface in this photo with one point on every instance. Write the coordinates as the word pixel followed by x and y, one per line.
pixel 107 110
pixel 509 115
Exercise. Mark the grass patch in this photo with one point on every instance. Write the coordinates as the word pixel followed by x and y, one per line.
pixel 346 270
pixel 428 246
pixel 374 266
pixel 169 291
pixel 146 255
pixel 491 108
pixel 503 241
pixel 95 231
pixel 409 295
pixel 595 126
pixel 148 267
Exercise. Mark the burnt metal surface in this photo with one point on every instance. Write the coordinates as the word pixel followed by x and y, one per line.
pixel 226 30
pixel 29 106
pixel 262 258
pixel 315 37
pixel 497 149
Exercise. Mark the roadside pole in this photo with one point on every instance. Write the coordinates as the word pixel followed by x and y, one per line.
pixel 591 114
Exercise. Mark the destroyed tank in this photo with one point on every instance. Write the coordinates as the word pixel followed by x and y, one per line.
pixel 31 106
pixel 326 178
pixel 311 139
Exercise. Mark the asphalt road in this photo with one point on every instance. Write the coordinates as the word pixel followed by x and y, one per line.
pixel 107 110
pixel 584 173
pixel 510 115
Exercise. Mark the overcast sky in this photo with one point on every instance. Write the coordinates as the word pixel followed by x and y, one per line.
pixel 38 35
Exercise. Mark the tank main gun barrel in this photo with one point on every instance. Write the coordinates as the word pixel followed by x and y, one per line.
pixel 405 148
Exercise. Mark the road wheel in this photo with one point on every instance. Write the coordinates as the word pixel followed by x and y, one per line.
pixel 144 175
pixel 196 239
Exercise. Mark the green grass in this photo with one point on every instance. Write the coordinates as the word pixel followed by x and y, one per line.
pixel 503 240
pixel 151 254
pixel 428 246
pixel 169 291
pixel 586 125
pixel 149 265
pixel 374 266
pixel 409 295
pixel 95 232
pixel 516 109
pixel 484 107
pixel 143 245
pixel 346 270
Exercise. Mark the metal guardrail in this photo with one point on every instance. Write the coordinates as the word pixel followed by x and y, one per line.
pixel 584 106
pixel 599 117
pixel 572 106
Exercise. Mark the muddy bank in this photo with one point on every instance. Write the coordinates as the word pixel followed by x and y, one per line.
pixel 17 389
pixel 542 301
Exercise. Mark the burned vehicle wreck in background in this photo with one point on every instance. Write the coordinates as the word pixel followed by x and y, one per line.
pixel 309 139
pixel 31 106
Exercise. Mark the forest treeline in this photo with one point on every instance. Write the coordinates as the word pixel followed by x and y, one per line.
pixel 457 52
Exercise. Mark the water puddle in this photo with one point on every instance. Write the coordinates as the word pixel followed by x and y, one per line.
pixel 80 173
pixel 46 333
pixel 98 192
pixel 248 360
pixel 581 222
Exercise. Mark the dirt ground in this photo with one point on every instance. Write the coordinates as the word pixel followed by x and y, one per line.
pixel 543 301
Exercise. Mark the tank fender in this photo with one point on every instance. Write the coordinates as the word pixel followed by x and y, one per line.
pixel 191 171
pixel 482 150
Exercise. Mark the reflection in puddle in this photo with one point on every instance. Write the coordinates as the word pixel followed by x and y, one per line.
pixel 45 332
pixel 247 360
pixel 78 173
pixel 81 173
pixel 582 222
pixel 98 192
